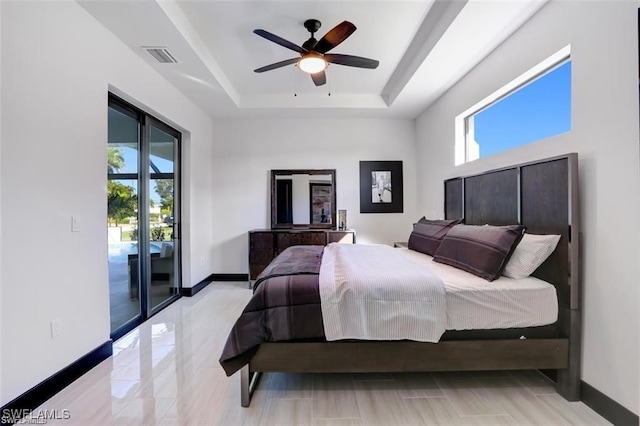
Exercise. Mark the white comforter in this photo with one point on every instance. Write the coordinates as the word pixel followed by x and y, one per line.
pixel 373 292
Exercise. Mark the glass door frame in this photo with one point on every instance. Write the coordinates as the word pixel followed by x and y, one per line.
pixel 128 110
pixel 143 178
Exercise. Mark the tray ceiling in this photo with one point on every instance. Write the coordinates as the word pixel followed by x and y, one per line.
pixel 424 47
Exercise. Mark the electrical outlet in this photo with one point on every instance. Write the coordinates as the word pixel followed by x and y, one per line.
pixel 55 327
pixel 202 260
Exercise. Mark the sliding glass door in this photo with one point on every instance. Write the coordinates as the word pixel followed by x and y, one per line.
pixel 143 215
pixel 164 283
pixel 122 215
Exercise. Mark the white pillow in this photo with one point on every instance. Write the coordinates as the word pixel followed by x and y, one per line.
pixel 530 252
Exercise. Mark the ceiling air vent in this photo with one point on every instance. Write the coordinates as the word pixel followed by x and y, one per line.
pixel 161 54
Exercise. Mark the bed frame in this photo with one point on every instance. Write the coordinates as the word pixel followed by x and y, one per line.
pixel 543 195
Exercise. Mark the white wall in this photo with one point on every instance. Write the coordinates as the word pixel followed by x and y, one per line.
pixel 246 150
pixel 57 66
pixel 603 37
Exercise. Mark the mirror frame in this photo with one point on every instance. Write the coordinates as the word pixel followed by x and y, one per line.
pixel 286 172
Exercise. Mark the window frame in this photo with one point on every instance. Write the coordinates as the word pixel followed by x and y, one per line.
pixel 466 149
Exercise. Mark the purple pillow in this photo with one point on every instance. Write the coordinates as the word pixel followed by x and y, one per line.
pixel 427 234
pixel 480 250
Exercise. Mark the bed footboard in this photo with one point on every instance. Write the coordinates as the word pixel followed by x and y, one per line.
pixel 403 356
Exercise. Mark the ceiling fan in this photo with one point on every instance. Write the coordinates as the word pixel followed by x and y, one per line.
pixel 314 58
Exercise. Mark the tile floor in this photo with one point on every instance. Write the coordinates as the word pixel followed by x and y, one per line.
pixel 166 372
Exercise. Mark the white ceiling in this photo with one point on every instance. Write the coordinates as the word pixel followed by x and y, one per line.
pixel 424 47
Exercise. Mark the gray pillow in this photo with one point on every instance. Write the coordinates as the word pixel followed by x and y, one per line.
pixel 427 234
pixel 481 250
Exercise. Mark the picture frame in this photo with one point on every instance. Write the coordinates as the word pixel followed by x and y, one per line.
pixel 381 188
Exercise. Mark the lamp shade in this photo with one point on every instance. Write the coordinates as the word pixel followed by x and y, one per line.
pixel 312 63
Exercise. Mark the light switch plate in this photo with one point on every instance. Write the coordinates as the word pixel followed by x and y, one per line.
pixel 75 224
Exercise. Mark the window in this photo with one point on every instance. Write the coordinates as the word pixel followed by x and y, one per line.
pixel 534 106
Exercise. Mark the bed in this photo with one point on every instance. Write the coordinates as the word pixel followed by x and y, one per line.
pixel 542 195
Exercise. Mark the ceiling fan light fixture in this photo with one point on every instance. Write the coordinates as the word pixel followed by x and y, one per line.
pixel 312 63
pixel 314 57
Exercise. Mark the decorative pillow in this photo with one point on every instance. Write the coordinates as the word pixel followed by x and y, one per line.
pixel 480 250
pixel 529 254
pixel 427 234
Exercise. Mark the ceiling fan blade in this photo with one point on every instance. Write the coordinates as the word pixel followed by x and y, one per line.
pixel 351 61
pixel 319 78
pixel 334 37
pixel 277 65
pixel 279 40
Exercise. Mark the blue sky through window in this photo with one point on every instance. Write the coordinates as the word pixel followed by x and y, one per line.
pixel 538 110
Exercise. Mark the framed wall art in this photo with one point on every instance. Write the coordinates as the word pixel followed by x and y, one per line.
pixel 381 187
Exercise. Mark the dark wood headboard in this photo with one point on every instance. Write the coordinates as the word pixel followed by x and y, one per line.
pixel 543 196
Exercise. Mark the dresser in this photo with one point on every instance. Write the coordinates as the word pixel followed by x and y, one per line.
pixel 266 244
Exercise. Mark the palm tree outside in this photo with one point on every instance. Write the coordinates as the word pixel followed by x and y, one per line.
pixel 115 160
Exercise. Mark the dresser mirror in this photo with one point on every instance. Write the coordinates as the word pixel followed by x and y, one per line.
pixel 303 198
